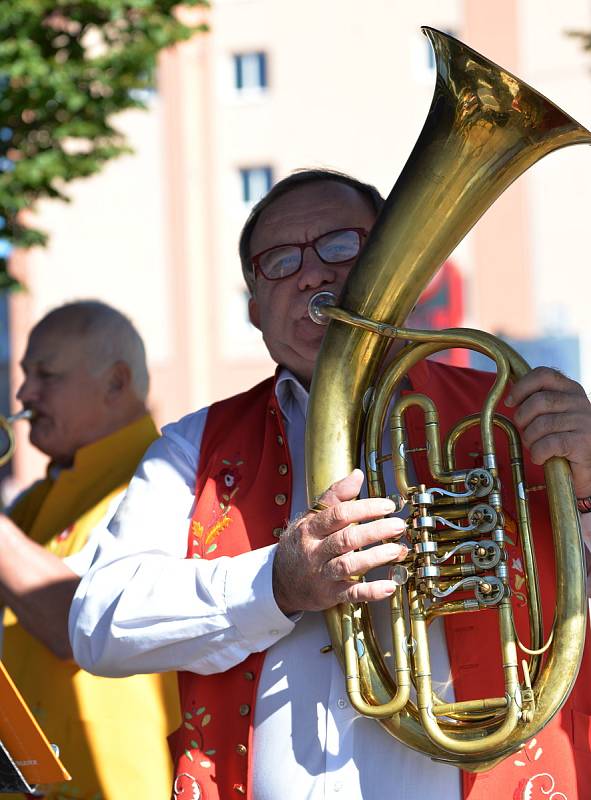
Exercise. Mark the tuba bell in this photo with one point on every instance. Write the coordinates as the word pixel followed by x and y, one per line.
pixel 485 127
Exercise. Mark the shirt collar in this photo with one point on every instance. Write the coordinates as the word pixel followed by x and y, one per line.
pixel 127 443
pixel 291 395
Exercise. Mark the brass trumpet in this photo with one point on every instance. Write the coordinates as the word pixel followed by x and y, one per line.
pixel 484 129
pixel 6 424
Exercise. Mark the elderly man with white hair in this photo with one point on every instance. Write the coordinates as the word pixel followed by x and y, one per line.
pixel 86 382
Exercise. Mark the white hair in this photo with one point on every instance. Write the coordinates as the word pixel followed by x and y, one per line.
pixel 108 335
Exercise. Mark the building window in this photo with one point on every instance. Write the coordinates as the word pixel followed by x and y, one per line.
pixel 256 182
pixel 250 71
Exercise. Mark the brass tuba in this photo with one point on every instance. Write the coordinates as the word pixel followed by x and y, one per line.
pixel 484 128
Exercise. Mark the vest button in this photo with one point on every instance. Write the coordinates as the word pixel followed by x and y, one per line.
pixel 282 469
pixel 280 439
pixel 239 787
pixel 249 676
pixel 244 710
pixel 280 499
pixel 277 532
pixel 241 749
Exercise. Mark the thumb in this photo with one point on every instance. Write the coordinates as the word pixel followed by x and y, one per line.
pixel 346 489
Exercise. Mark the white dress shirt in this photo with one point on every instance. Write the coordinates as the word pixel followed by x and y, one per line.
pixel 144 607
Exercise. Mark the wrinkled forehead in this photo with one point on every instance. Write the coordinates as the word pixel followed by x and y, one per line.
pixel 307 211
pixel 55 347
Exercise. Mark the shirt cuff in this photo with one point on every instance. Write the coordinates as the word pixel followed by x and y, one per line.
pixel 250 601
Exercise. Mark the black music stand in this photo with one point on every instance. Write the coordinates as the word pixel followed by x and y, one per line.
pixel 11 778
pixel 27 759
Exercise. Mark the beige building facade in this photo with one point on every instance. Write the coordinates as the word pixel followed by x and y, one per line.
pixel 275 86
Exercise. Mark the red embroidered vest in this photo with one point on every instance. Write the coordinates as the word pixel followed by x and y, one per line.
pixel 243 493
pixel 243 499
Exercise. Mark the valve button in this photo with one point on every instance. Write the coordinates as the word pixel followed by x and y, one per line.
pixel 398 574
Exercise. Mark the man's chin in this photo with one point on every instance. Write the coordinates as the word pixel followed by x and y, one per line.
pixel 307 330
pixel 40 440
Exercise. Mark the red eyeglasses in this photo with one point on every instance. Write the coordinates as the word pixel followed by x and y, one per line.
pixel 334 247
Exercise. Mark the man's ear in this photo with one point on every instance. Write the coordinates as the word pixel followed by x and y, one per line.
pixel 118 379
pixel 253 312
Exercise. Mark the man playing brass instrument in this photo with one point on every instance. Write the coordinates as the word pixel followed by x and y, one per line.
pixel 203 571
pixel 86 381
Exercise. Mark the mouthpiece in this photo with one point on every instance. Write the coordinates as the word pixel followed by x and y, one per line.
pixel 315 305
pixel 25 413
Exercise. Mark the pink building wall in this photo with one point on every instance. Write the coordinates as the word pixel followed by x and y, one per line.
pixel 349 87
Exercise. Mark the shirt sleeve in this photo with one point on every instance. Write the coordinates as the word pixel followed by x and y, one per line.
pixel 144 607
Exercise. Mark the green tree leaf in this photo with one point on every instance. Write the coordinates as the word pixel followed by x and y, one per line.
pixel 66 68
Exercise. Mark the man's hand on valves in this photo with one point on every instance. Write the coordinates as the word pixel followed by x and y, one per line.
pixel 320 554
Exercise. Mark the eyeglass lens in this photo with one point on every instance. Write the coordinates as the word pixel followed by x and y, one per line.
pixel 334 247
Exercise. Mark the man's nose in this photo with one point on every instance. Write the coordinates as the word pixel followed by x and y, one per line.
pixel 27 392
pixel 314 272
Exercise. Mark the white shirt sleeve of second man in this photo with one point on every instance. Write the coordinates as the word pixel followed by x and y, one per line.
pixel 143 606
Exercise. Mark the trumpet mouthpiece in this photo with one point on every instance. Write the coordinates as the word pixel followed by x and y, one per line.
pixel 315 305
pixel 25 413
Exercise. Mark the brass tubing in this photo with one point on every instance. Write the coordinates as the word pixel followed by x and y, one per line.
pixel 398 433
pixel 523 526
pixel 422 673
pixel 483 743
pixel 471 760
pixel 412 354
pixel 459 570
pixel 452 511
pixel 451 607
pixel 469 706
pixel 402 691
pixel 452 337
pixel 444 537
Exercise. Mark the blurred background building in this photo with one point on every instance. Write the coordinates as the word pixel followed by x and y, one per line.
pixel 275 86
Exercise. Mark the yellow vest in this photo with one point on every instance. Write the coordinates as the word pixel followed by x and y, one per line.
pixel 111 732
